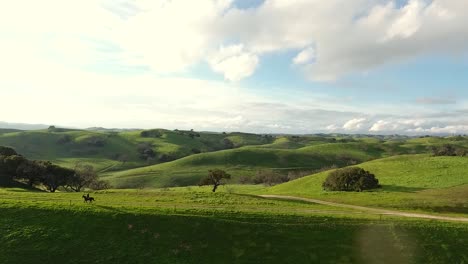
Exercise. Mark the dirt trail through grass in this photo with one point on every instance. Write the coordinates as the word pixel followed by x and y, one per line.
pixel 369 209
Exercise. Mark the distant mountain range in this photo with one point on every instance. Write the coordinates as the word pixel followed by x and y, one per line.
pixel 22 126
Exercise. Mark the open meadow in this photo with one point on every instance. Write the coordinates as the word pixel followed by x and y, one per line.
pixel 193 225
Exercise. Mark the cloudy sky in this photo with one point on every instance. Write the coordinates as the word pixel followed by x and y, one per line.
pixel 284 66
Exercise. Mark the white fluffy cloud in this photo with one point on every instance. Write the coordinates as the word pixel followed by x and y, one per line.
pixel 456 129
pixel 234 62
pixel 355 124
pixel 440 124
pixel 352 36
pixel 332 38
pixel 169 36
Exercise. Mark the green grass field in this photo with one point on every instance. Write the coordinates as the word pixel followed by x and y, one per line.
pixel 192 225
pixel 416 182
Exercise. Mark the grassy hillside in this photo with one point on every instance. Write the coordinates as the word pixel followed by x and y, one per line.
pixel 437 184
pixel 245 161
pixel 122 157
pixel 288 156
pixel 200 227
pixel 118 150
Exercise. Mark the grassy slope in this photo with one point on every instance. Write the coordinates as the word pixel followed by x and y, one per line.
pixel 188 226
pixel 410 181
pixel 244 161
pixel 255 152
pixel 285 153
pixel 42 144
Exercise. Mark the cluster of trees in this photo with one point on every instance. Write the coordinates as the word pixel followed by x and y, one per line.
pixel 192 134
pixel 64 139
pixel 95 141
pixel 350 179
pixel 227 143
pixel 448 150
pixel 269 177
pixel 14 167
pixel 153 133
pixel 145 151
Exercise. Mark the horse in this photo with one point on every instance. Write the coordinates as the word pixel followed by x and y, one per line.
pixel 87 198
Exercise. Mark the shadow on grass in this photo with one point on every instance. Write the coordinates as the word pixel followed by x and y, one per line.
pixel 18 186
pixel 396 188
pixel 110 208
pixel 450 209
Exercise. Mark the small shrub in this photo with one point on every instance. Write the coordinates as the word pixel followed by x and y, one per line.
pixel 166 158
pixel 350 179
pixel 195 151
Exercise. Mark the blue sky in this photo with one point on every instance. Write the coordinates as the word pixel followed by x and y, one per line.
pixel 266 66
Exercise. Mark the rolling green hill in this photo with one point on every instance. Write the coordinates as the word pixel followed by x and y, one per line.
pixel 119 150
pixel 246 161
pixel 437 184
pixel 160 158
pixel 285 154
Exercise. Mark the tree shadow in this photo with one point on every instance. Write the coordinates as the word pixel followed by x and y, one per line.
pixel 20 187
pixel 451 209
pixel 110 208
pixel 405 189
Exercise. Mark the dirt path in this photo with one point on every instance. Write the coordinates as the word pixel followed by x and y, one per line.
pixel 369 209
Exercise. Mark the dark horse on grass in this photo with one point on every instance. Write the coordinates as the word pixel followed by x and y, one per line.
pixel 87 198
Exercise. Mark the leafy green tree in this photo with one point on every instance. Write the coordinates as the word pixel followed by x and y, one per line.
pixel 32 171
pixel 9 164
pixel 8 167
pixel 350 179
pixel 56 176
pixel 84 176
pixel 215 178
